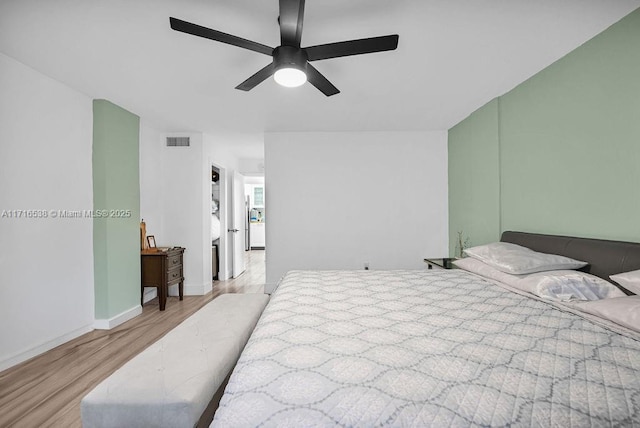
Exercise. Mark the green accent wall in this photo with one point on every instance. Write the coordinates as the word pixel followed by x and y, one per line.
pixel 567 148
pixel 116 239
pixel 474 178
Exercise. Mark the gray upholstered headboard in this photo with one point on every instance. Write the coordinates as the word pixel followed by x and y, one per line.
pixel 604 257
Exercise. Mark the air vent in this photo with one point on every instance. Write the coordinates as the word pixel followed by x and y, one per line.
pixel 178 142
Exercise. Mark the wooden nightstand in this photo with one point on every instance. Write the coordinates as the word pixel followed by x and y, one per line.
pixel 443 263
pixel 161 269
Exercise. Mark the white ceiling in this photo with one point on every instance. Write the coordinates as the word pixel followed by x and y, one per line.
pixel 453 56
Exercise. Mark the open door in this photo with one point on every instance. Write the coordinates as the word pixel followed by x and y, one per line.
pixel 237 230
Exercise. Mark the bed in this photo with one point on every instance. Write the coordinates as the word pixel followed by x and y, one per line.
pixel 436 348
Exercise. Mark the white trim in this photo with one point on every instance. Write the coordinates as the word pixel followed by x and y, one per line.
pixel 150 293
pixel 108 324
pixel 47 346
pixel 221 277
pixel 194 290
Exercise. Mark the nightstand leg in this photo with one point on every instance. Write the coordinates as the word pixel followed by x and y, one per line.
pixel 162 298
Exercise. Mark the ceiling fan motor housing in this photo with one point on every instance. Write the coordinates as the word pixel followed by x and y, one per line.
pixel 290 57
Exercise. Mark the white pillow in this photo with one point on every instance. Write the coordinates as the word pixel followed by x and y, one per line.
pixel 568 285
pixel 480 268
pixel 514 259
pixel 629 280
pixel 621 310
pixel 559 285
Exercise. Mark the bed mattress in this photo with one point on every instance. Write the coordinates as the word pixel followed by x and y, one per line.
pixel 426 348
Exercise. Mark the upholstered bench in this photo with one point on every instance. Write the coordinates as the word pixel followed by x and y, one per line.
pixel 170 383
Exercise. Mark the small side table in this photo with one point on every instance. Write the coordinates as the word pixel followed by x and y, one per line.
pixel 443 263
pixel 161 269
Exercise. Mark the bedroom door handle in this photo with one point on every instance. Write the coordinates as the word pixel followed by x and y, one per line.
pixel 233 230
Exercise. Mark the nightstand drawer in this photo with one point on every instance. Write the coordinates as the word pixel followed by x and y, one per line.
pixel 174 276
pixel 174 260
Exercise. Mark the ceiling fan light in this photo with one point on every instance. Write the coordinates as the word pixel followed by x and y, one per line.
pixel 290 77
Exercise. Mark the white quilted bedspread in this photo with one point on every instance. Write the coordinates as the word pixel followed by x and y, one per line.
pixel 426 348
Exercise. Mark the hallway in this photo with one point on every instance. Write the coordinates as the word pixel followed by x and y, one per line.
pixel 251 281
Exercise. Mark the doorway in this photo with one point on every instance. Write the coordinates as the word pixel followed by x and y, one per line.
pixel 230 223
pixel 237 229
pixel 257 214
pixel 216 212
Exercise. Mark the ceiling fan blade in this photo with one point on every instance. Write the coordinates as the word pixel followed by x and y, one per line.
pixel 319 81
pixel 291 16
pixel 352 47
pixel 257 78
pixel 218 36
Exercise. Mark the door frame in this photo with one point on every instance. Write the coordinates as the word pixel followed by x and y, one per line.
pixel 223 271
pixel 237 221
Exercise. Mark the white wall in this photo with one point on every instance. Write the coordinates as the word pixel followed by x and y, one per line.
pixel 251 167
pixel 338 200
pixel 252 179
pixel 151 194
pixel 151 174
pixel 176 178
pixel 46 265
pixel 175 200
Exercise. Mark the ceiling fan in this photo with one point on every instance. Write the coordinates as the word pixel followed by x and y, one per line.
pixel 290 66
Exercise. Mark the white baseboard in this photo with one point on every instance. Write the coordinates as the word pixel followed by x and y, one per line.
pixel 108 324
pixel 150 293
pixel 192 289
pixel 47 346
pixel 189 290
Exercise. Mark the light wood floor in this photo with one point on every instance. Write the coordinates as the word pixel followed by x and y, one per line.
pixel 46 390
